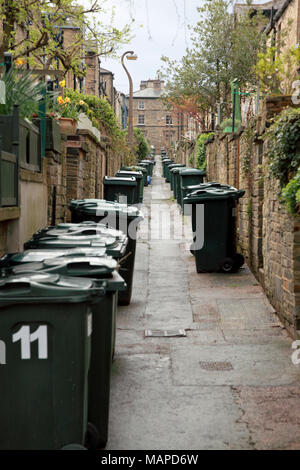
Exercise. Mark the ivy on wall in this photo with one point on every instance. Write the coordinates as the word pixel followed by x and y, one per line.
pixel 284 155
pixel 200 150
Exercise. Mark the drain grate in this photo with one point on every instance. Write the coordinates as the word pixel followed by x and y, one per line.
pixel 165 333
pixel 216 366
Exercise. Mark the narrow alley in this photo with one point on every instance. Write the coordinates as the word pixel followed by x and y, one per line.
pixel 229 384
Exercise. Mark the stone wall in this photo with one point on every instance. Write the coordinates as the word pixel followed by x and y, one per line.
pixel 76 171
pixel 268 236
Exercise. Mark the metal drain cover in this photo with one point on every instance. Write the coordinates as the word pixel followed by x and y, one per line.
pixel 216 366
pixel 164 333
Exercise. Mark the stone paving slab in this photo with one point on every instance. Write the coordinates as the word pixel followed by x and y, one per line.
pixel 153 414
pixel 273 415
pixel 255 365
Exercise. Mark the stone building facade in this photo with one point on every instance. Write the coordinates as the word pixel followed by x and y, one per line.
pixel 161 127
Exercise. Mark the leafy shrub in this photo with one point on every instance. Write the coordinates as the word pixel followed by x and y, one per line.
pixel 142 145
pixel 291 194
pixel 200 150
pixel 23 89
pixel 284 145
pixel 228 123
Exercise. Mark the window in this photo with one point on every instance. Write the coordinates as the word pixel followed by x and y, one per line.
pixel 141 119
pixel 168 120
pixel 141 105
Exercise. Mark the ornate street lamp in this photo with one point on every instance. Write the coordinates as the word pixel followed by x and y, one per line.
pixel 130 56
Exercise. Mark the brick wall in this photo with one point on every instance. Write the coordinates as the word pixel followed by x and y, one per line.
pixel 155 128
pixel 268 236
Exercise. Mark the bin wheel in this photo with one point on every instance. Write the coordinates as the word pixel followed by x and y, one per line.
pixel 228 265
pixel 73 447
pixel 239 260
pixel 92 437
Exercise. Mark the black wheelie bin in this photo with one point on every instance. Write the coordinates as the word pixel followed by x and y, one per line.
pixel 214 229
pixel 189 177
pixel 138 175
pixel 121 190
pixel 121 217
pixel 45 344
pixel 171 169
pixel 164 163
pixel 176 180
pixel 102 269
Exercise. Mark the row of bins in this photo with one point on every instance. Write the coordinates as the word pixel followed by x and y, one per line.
pixel 58 303
pixel 212 207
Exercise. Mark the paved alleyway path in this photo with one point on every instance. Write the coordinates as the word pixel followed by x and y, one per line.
pixel 229 384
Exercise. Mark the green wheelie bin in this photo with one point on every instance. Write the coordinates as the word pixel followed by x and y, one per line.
pixel 143 171
pixel 115 243
pixel 121 190
pixel 138 175
pixel 176 180
pixel 151 165
pixel 171 169
pixel 164 163
pixel 213 212
pixel 189 177
pixel 121 217
pixel 102 269
pixel 169 165
pixel 146 165
pixel 209 184
pixel 45 343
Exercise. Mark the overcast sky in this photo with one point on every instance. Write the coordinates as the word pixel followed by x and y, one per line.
pixel 164 32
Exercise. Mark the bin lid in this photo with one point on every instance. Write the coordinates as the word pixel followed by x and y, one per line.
pixel 112 246
pixel 37 256
pixel 77 230
pixel 192 171
pixel 176 165
pixel 140 168
pixel 105 208
pixel 177 169
pixel 78 202
pixel 113 180
pixel 148 161
pixel 208 185
pixel 213 194
pixel 138 175
pixel 77 266
pixel 37 287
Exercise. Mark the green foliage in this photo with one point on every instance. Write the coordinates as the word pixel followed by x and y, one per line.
pixel 40 23
pixel 283 145
pixel 23 89
pixel 228 123
pixel 291 194
pixel 142 147
pixel 276 72
pixel 248 137
pixel 97 109
pixel 223 48
pixel 200 150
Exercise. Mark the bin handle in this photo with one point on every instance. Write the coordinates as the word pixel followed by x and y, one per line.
pixel 21 286
pixel 124 258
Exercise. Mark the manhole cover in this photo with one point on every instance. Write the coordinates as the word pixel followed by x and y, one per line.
pixel 165 333
pixel 216 366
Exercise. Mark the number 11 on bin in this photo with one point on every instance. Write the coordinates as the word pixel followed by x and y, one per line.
pixel 26 338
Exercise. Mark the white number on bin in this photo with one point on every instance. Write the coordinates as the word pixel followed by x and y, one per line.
pixel 26 338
